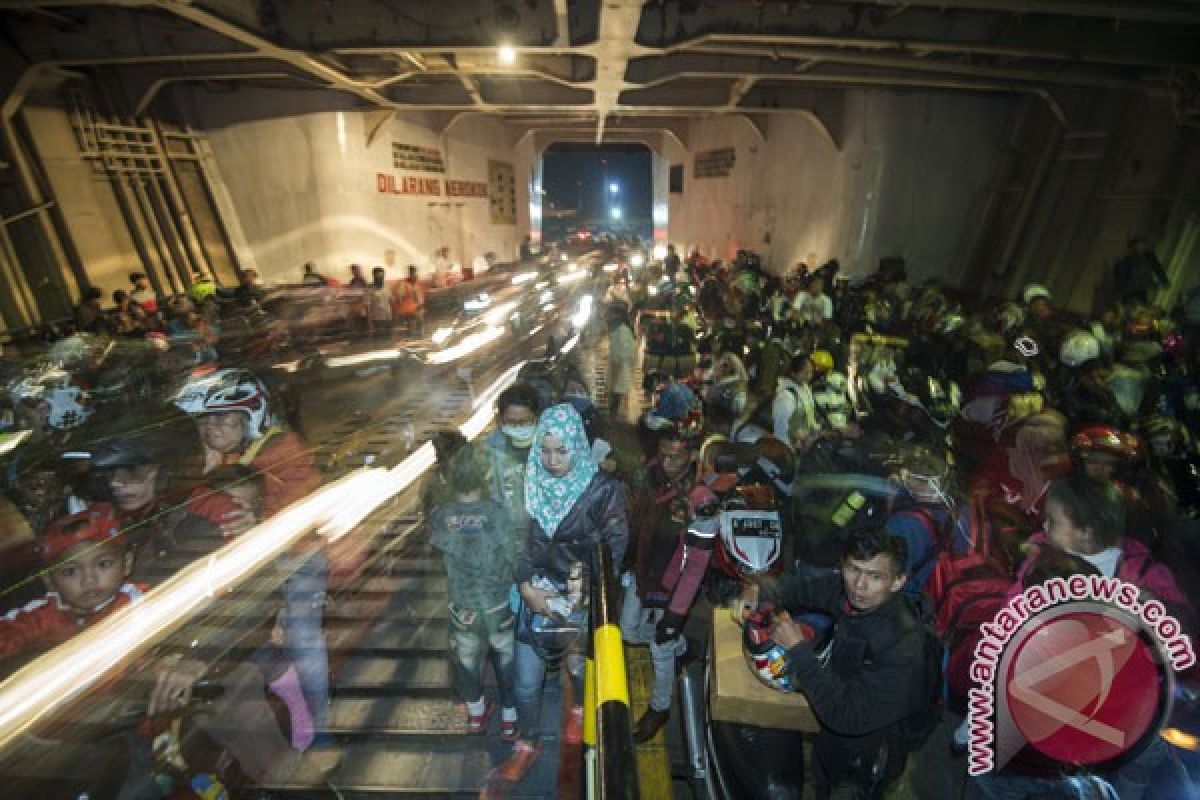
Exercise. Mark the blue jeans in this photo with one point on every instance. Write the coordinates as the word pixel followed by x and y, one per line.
pixel 303 640
pixel 530 676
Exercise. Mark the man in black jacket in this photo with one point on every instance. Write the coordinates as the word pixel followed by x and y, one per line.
pixel 870 676
pixel 671 545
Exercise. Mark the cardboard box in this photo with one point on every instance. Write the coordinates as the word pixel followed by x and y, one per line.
pixel 739 696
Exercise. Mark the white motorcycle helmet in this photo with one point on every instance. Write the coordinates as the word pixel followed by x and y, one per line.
pixel 70 407
pixel 1078 348
pixel 228 390
pixel 67 406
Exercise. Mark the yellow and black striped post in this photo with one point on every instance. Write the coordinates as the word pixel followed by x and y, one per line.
pixel 612 732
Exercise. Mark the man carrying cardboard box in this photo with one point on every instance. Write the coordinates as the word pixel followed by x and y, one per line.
pixel 869 680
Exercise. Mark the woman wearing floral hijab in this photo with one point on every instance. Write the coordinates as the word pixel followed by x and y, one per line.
pixel 573 506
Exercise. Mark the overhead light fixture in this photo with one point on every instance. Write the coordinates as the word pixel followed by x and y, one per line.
pixel 615 213
pixel 507 55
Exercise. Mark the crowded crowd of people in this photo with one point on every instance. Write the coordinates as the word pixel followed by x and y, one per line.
pixel 979 446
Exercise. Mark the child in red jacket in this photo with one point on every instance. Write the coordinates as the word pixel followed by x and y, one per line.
pixel 88 563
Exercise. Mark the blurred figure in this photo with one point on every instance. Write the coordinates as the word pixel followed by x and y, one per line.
pixel 237 425
pixel 437 488
pixel 479 548
pixel 408 302
pixel 163 537
pixel 248 294
pixel 127 318
pixel 379 308
pixel 143 294
pixel 312 277
pixel 357 281
pixel 203 289
pixel 517 410
pixel 1138 274
pixel 622 358
pixel 43 493
pixel 89 315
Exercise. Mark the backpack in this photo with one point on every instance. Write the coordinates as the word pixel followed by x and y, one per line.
pixel 914 729
pixel 970 586
pixel 940 536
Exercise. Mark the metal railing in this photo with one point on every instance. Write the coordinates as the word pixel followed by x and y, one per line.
pixel 607 730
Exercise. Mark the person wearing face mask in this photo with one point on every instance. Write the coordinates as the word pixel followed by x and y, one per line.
pixel 573 506
pixel 575 394
pixel 508 448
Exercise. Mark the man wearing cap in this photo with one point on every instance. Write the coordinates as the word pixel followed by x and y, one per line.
pixel 164 538
pixel 673 527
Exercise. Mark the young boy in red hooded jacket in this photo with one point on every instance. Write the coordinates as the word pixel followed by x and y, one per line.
pixel 88 563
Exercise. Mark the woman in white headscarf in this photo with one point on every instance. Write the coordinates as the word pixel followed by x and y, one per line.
pixel 573 506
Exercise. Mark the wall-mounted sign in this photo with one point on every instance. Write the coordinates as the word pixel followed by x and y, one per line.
pixel 466 189
pixel 502 193
pixel 428 187
pixel 714 163
pixel 417 158
pixel 407 184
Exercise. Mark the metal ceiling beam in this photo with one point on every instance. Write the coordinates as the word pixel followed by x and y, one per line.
pixel 468 84
pixel 1178 46
pixel 738 90
pixel 206 20
pixel 562 22
pixel 1166 13
pixel 765 62
pixel 658 95
pixel 615 46
pixel 153 87
pixel 300 60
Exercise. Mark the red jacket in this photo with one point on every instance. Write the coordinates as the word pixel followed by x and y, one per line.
pixel 211 504
pixel 286 464
pixel 47 622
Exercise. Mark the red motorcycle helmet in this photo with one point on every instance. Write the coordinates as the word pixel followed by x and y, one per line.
pixel 1108 440
pixel 766 659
